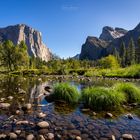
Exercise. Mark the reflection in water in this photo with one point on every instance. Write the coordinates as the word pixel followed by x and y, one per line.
pixel 37 93
pixel 63 119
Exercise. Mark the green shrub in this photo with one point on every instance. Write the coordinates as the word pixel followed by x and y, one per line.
pixel 132 71
pixel 100 98
pixel 131 91
pixel 89 73
pixel 108 62
pixel 65 92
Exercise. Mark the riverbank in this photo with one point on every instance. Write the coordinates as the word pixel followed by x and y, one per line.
pixel 132 72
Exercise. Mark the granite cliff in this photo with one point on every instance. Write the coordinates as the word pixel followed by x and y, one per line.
pixel 94 48
pixel 31 37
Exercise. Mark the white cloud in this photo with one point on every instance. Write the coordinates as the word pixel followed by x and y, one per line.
pixel 69 8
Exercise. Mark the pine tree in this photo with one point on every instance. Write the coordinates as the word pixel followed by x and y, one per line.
pixel 123 54
pixel 138 51
pixel 131 52
pixel 116 54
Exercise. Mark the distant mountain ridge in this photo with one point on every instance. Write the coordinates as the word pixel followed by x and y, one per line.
pixel 30 36
pixel 94 48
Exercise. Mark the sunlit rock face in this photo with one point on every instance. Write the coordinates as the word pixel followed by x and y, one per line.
pixel 31 37
pixel 95 48
pixel 109 33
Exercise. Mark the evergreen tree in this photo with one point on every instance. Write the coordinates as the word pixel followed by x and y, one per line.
pixel 7 54
pixel 131 52
pixel 138 51
pixel 123 54
pixel 13 56
pixel 21 55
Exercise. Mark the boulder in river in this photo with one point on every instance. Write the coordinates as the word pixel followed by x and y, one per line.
pixel 41 137
pixel 10 97
pixel 22 122
pixel 108 115
pixel 43 124
pixel 41 115
pixel 130 116
pixel 30 137
pixel 127 137
pixel 78 138
pixel 27 107
pixel 4 105
pixel 3 136
pixel 50 136
pixel 12 136
pixel 18 132
pixel 48 88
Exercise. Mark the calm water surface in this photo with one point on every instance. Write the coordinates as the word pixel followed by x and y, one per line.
pixel 65 121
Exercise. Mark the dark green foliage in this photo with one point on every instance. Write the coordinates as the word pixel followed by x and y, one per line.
pixel 123 54
pixel 138 51
pixel 6 54
pixel 131 52
pixel 13 56
pixel 131 91
pixel 65 92
pixel 100 98
pixel 36 63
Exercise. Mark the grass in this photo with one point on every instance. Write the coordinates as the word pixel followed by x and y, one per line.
pixel 128 72
pixel 130 90
pixel 65 92
pixel 101 98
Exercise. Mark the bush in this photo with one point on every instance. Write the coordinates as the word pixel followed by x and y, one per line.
pixel 108 62
pixel 100 98
pixel 130 90
pixel 89 73
pixel 65 92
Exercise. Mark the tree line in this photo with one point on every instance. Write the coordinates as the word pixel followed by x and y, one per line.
pixel 15 57
pixel 128 55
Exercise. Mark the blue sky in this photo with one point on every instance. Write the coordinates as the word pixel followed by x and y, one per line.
pixel 65 24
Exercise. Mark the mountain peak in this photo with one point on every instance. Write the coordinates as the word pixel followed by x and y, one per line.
pixel 32 38
pixel 137 27
pixel 109 33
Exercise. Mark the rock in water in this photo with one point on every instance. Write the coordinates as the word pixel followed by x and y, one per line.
pixel 31 37
pixel 50 136
pixel 130 116
pixel 41 137
pixel 113 137
pixel 12 136
pixel 27 107
pixel 30 137
pixel 127 137
pixel 2 136
pixel 109 115
pixel 78 138
pixel 4 105
pixel 22 122
pixel 10 97
pixel 41 115
pixel 43 124
pixel 18 132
